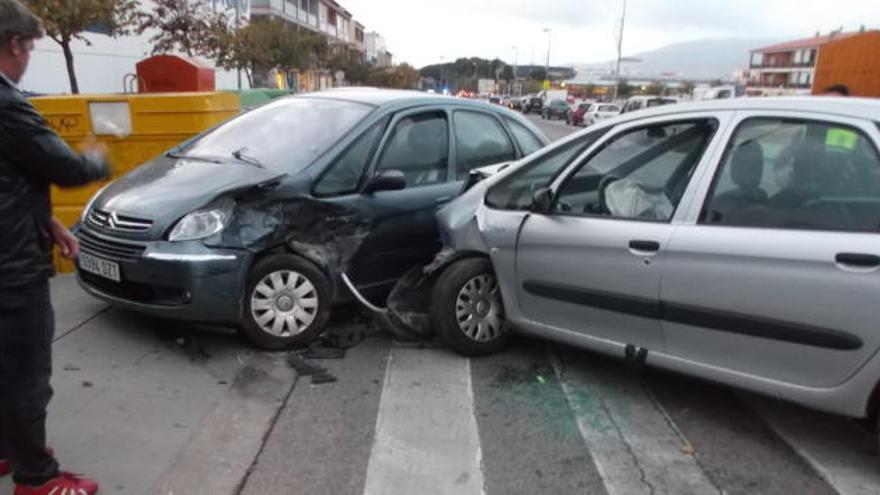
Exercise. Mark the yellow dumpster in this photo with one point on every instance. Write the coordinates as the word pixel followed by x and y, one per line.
pixel 135 128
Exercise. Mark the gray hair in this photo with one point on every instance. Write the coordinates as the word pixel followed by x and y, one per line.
pixel 17 20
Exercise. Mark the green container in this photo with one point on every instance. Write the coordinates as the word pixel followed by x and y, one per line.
pixel 253 98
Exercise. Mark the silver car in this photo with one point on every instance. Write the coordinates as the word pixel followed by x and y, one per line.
pixel 737 241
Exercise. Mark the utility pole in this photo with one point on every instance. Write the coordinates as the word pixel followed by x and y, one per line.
pixel 237 27
pixel 515 70
pixel 547 65
pixel 619 51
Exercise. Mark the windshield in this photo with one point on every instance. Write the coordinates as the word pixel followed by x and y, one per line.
pixel 286 135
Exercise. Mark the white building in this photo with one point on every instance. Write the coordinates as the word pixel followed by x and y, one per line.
pixel 376 50
pixel 102 66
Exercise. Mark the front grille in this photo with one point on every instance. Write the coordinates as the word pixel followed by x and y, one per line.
pixel 114 221
pixel 113 250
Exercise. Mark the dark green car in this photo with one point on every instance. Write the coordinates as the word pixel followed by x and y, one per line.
pixel 253 222
pixel 557 109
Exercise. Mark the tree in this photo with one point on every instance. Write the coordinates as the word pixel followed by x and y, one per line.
pixel 351 62
pixel 624 90
pixel 687 88
pixel 189 26
pixel 67 20
pixel 655 88
pixel 265 45
pixel 507 73
pixel 402 76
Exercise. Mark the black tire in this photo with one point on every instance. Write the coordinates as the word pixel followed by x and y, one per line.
pixel 300 298
pixel 450 286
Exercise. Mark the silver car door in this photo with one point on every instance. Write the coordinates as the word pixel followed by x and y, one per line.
pixel 774 274
pixel 591 264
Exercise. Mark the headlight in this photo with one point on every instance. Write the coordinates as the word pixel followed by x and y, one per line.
pixel 204 222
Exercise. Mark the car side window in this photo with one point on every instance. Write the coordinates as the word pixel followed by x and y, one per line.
pixel 419 148
pixel 528 142
pixel 515 191
pixel 480 140
pixel 344 175
pixel 796 174
pixel 639 174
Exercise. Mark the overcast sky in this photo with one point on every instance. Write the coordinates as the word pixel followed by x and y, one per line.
pixel 423 32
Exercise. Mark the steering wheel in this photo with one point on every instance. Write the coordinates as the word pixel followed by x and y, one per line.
pixel 603 185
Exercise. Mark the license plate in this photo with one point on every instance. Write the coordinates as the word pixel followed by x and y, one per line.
pixel 98 266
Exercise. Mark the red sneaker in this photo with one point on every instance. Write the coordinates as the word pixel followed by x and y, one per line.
pixel 63 484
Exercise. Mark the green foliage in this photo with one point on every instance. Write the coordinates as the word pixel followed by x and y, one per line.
pixel 402 76
pixel 655 88
pixel 66 20
pixel 265 45
pixel 189 26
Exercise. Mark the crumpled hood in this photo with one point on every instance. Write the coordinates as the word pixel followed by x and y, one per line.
pixel 166 188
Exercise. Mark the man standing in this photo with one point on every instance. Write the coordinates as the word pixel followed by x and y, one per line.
pixel 32 157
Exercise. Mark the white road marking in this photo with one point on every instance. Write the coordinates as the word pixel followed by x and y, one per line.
pixel 426 438
pixel 633 443
pixel 835 447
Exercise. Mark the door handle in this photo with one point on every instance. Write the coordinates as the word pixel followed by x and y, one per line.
pixel 858 259
pixel 645 246
pixel 444 199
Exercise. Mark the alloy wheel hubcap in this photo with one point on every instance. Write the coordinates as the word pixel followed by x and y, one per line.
pixel 284 303
pixel 478 309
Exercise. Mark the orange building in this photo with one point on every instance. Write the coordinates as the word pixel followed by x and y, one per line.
pixel 852 61
pixel 808 66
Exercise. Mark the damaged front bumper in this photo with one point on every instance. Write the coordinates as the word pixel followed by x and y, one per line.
pixel 182 280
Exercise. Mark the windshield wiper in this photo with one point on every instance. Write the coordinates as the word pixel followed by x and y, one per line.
pixel 240 155
pixel 178 156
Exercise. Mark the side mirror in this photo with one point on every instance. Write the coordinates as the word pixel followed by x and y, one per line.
pixel 386 180
pixel 542 201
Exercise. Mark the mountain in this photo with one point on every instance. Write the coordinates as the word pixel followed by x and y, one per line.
pixel 698 59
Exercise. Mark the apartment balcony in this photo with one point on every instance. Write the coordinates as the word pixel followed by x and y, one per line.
pixel 783 65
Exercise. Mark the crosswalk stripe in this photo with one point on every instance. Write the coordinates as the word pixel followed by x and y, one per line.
pixel 634 445
pixel 426 437
pixel 833 446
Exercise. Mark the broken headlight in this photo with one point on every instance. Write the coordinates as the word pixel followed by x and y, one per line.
pixel 204 222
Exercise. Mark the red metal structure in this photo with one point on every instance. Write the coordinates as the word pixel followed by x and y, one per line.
pixel 172 74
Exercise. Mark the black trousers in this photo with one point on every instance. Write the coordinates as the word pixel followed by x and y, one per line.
pixel 27 326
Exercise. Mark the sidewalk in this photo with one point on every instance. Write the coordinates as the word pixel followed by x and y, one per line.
pixel 145 406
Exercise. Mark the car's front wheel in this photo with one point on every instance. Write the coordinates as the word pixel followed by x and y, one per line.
pixel 287 302
pixel 468 310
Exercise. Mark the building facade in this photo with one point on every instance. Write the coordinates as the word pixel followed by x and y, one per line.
pixel 376 50
pixel 326 17
pixel 790 68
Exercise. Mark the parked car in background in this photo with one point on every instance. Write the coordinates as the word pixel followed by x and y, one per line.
pixel 760 217
pixel 556 109
pixel 641 102
pixel 252 222
pixel 496 100
pixel 600 111
pixel 576 116
pixel 515 103
pixel 534 103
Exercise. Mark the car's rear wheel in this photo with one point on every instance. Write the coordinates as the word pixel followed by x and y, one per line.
pixel 468 309
pixel 287 302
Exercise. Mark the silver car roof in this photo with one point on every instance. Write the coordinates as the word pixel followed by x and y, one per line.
pixel 863 108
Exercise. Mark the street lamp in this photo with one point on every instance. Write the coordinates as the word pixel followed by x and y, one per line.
pixel 515 70
pixel 547 65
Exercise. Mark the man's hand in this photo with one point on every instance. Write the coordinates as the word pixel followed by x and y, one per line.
pixel 65 240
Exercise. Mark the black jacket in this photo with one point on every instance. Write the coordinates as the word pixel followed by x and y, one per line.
pixel 32 157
